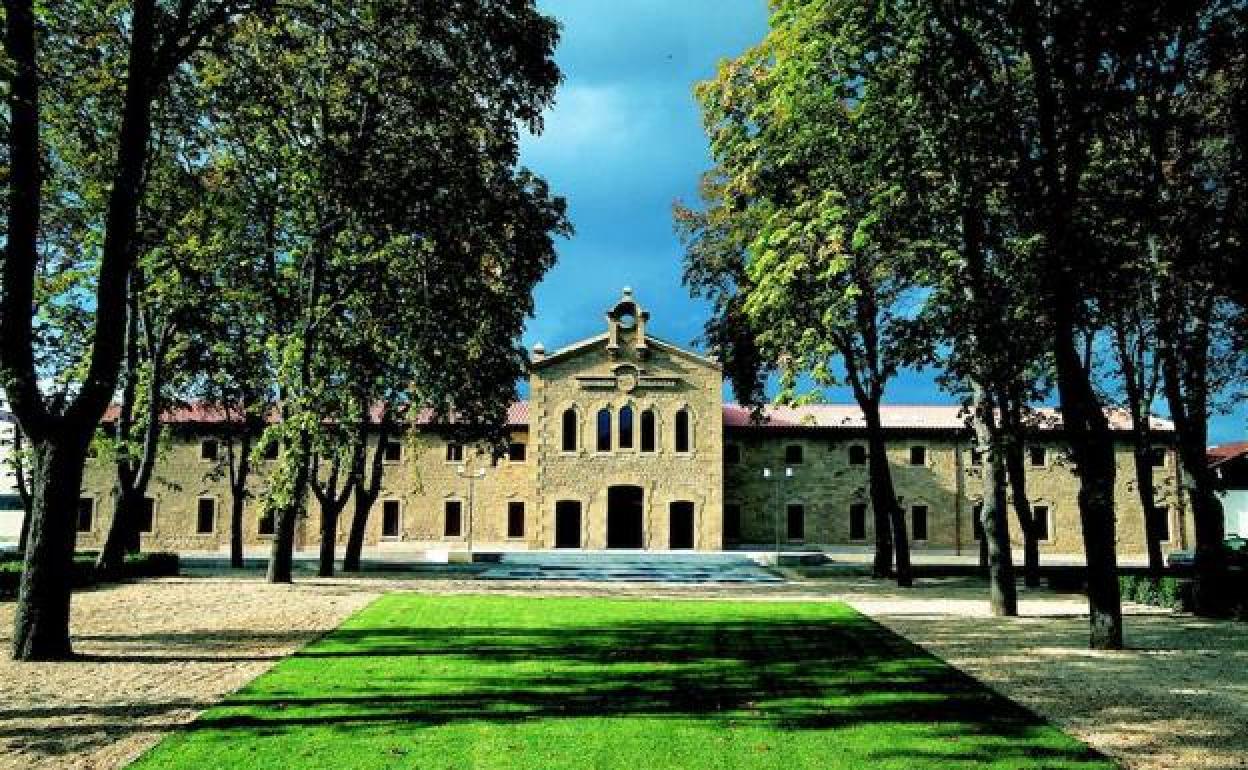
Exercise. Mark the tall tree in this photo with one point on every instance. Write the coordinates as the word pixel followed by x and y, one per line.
pixel 811 189
pixel 132 51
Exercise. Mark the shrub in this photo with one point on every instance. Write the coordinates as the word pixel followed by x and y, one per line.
pixel 139 565
pixel 1169 592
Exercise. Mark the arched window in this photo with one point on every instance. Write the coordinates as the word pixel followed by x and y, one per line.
pixel 647 431
pixel 626 428
pixel 604 430
pixel 569 430
pixel 682 430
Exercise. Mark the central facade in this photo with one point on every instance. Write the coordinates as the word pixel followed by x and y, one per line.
pixel 628 441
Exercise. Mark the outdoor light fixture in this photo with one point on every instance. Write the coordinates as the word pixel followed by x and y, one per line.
pixel 473 476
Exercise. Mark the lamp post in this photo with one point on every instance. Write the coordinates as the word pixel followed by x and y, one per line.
pixel 767 476
pixel 472 477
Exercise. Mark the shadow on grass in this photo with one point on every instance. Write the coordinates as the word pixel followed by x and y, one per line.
pixel 781 675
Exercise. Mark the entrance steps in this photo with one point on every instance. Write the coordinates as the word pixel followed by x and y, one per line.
pixel 631 567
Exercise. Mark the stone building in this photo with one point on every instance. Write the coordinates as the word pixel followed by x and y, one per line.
pixel 626 442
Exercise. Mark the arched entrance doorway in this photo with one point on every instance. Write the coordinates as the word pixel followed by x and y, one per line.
pixel 625 506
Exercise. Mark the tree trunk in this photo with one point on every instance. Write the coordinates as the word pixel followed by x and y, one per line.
pixel 41 624
pixel 329 538
pixel 1016 471
pixel 1091 443
pixel 359 524
pixel 237 501
pixel 366 495
pixel 122 532
pixel 994 519
pixel 286 518
pixel 890 521
pixel 1143 456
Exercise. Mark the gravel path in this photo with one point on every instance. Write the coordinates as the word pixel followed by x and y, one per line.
pixel 155 653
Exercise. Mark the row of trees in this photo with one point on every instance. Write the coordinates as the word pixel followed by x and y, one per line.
pixel 1027 195
pixel 292 211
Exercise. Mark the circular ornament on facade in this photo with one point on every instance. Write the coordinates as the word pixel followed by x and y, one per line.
pixel 626 377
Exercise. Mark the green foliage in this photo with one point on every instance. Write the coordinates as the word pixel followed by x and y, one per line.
pixel 1170 592
pixel 503 682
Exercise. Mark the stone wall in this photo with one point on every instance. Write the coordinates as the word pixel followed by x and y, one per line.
pixel 947 483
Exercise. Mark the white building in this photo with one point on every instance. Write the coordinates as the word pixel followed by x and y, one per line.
pixel 1229 463
pixel 10 504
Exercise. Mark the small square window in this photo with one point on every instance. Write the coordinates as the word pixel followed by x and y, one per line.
pixel 977 458
pixel 206 516
pixel 732 454
pixel 1038 455
pixel 454 525
pixel 147 515
pixel 454 453
pixel 515 518
pixel 86 514
pixel 918 455
pixel 517 452
pixel 393 452
pixel 793 454
pixel 857 455
pixel 267 524
pixel 272 450
pixel 390 518
pixel 208 449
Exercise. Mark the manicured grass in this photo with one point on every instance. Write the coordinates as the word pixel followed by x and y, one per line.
pixel 539 684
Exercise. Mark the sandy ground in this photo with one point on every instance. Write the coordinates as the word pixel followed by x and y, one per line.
pixel 155 653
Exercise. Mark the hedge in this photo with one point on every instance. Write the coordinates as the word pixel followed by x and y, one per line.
pixel 139 565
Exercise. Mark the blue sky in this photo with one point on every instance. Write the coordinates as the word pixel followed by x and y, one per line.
pixel 623 142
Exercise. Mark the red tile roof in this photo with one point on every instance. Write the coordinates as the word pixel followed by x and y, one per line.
pixel 827 416
pixel 1216 455
pixel 898 416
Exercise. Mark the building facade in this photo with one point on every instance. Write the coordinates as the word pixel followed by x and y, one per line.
pixel 11 510
pixel 626 442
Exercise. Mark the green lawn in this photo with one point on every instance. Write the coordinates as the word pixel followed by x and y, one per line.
pixel 538 684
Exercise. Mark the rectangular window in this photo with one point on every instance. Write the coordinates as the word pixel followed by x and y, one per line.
pixel 858 521
pixel 454 520
pixel 626 428
pixel 454 453
pixel 647 430
pixel 793 454
pixel 918 455
pixel 1040 518
pixel 391 520
pixel 732 454
pixel 977 458
pixel 272 449
pixel 1161 522
pixel 732 522
pixel 918 522
pixel 857 455
pixel 569 430
pixel 515 519
pixel 977 525
pixel 796 515
pixel 86 513
pixel 681 437
pixel 393 452
pixel 1157 456
pixel 147 515
pixel 604 430
pixel 267 525
pixel 1038 455
pixel 206 516
pixel 517 452
pixel 208 449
